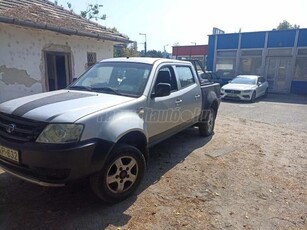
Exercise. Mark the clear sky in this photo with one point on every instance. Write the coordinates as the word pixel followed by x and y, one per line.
pixel 185 21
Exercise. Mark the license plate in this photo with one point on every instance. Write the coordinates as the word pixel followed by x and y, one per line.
pixel 8 153
pixel 231 95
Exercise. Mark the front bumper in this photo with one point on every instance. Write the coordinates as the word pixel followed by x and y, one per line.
pixel 239 96
pixel 56 164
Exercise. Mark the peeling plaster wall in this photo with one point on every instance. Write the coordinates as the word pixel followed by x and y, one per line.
pixel 22 64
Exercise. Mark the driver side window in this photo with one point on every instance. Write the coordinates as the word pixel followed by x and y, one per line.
pixel 167 75
pixel 261 80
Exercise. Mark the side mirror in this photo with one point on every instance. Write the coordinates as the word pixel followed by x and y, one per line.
pixel 209 76
pixel 162 90
pixel 74 79
pixel 202 75
pixel 259 83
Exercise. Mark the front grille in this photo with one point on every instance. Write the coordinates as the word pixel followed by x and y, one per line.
pixel 233 91
pixel 24 130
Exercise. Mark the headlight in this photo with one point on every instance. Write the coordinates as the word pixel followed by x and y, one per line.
pixel 60 133
pixel 246 91
pixel 222 90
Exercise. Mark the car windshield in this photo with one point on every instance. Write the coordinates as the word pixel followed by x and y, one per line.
pixel 244 80
pixel 121 78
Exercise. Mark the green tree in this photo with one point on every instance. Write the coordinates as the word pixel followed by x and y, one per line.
pixel 154 53
pixel 93 11
pixel 126 50
pixel 285 25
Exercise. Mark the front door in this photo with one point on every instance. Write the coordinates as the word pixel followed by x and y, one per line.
pixel 58 70
pixel 163 116
pixel 278 71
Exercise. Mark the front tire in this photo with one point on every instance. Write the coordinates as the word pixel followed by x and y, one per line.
pixel 121 174
pixel 253 98
pixel 206 127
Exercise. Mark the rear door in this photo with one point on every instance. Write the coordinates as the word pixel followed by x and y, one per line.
pixel 190 101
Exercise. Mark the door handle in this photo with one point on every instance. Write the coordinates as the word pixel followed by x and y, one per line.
pixel 178 102
pixel 197 96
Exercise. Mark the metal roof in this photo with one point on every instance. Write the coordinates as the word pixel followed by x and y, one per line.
pixel 43 14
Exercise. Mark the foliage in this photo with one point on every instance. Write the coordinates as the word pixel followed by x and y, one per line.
pixel 126 50
pixel 152 53
pixel 285 25
pixel 93 12
pixel 114 30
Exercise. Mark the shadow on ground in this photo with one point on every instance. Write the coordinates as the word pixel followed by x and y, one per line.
pixel 27 206
pixel 274 97
pixel 286 98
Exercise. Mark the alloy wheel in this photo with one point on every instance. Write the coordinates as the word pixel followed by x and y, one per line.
pixel 122 174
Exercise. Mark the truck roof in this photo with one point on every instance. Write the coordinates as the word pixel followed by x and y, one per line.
pixel 146 60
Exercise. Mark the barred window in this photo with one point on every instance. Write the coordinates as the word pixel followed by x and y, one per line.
pixel 91 59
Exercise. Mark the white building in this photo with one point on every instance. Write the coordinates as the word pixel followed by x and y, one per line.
pixel 43 46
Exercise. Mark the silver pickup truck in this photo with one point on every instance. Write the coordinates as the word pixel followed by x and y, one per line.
pixel 101 126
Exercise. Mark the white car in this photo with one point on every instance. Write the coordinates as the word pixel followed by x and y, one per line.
pixel 245 87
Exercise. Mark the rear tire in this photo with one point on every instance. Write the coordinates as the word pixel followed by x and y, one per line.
pixel 121 174
pixel 206 127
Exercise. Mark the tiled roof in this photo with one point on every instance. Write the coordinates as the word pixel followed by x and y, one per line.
pixel 44 14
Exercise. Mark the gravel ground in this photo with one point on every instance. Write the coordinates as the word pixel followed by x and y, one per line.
pixel 289 111
pixel 251 174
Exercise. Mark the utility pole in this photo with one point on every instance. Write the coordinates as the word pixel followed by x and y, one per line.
pixel 145 43
pixel 164 51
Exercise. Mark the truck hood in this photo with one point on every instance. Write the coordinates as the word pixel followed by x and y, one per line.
pixel 238 87
pixel 61 105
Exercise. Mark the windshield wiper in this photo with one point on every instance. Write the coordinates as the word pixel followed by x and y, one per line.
pixel 78 87
pixel 106 89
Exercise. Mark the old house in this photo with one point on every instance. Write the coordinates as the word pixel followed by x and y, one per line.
pixel 43 46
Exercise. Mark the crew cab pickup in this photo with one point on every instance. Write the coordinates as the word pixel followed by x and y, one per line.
pixel 101 126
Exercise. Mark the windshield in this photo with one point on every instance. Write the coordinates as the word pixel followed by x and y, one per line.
pixel 122 78
pixel 244 80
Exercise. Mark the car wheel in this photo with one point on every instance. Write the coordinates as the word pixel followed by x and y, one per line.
pixel 253 98
pixel 206 127
pixel 121 174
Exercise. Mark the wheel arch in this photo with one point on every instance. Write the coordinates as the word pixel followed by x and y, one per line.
pixel 215 106
pixel 137 139
pixel 212 102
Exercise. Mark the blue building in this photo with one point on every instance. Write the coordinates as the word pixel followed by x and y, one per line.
pixel 279 55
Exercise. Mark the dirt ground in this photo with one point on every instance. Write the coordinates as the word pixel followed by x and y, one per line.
pixel 255 179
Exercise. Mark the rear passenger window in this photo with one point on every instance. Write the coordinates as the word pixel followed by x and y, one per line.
pixel 185 76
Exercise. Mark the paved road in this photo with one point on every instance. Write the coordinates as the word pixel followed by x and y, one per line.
pixel 289 111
